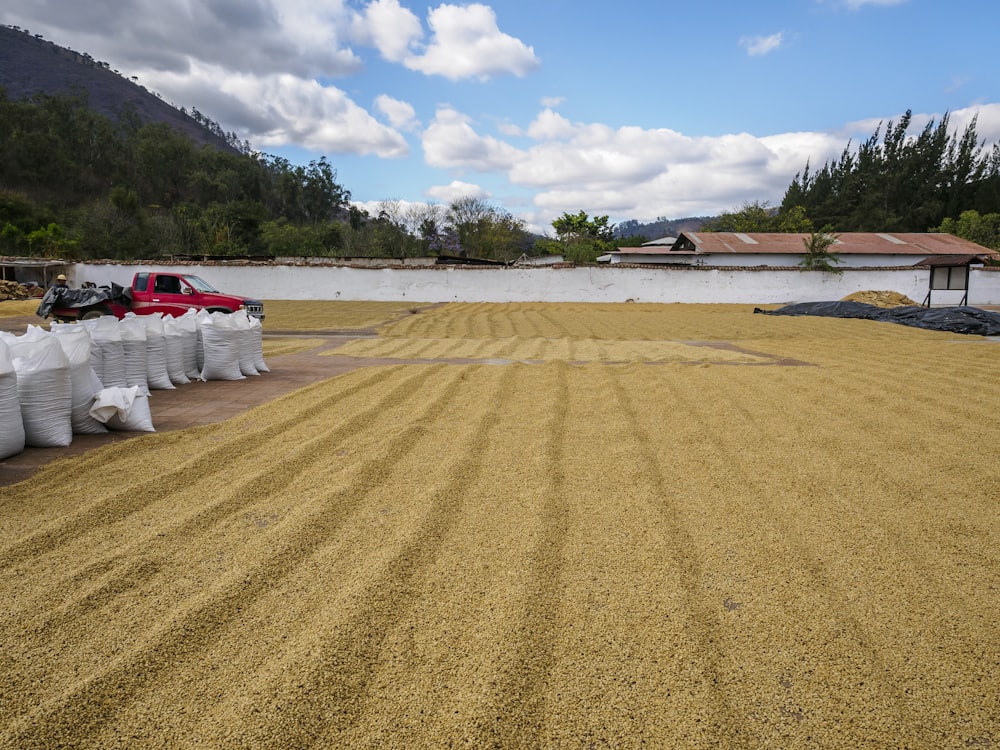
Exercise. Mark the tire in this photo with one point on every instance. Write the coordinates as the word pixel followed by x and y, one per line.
pixel 95 312
pixel 225 310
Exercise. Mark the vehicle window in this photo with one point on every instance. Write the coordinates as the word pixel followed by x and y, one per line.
pixel 167 285
pixel 141 282
pixel 200 284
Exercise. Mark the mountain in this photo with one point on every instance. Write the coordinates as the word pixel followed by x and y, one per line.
pixel 31 65
pixel 659 228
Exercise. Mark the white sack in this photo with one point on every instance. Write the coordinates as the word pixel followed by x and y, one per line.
pixel 220 344
pixel 187 324
pixel 123 409
pixel 200 317
pixel 157 373
pixel 174 338
pixel 44 389
pixel 11 425
pixel 107 354
pixel 245 341
pixel 75 342
pixel 133 332
pixel 257 328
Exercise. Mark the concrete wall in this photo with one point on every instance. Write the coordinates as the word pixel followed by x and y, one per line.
pixel 858 260
pixel 580 284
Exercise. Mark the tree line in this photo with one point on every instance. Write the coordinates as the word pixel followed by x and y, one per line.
pixel 939 180
pixel 74 183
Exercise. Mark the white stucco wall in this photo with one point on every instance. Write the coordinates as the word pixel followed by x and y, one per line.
pixel 580 284
pixel 770 260
pixel 775 259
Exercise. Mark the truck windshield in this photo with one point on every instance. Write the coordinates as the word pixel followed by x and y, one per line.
pixel 200 284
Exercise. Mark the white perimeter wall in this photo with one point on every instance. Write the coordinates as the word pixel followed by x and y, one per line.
pixel 580 284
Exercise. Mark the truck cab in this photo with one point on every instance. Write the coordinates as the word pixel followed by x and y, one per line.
pixel 174 293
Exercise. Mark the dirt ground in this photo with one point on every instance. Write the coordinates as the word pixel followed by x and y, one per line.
pixel 554 526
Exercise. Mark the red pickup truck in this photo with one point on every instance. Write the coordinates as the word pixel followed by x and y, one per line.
pixel 151 292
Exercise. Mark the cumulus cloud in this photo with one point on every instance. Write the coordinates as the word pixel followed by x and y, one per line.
pixel 454 190
pixel 757 46
pixel 389 27
pixel 451 142
pixel 630 172
pixel 551 102
pixel 550 125
pixel 283 109
pixel 258 37
pixel 400 114
pixel 467 43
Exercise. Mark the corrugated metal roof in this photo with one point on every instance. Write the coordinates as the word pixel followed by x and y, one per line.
pixel 850 243
pixel 949 260
pixel 660 242
pixel 647 250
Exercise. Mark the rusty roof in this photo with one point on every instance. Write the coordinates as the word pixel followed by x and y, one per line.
pixel 848 243
pixel 949 260
pixel 651 250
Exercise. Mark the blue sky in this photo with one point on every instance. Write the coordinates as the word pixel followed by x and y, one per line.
pixel 635 109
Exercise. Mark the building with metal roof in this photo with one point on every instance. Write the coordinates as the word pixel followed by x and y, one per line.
pixel 759 249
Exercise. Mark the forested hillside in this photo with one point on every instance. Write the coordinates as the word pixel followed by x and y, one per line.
pixel 31 65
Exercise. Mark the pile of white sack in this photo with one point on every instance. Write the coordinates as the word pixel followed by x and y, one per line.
pixel 96 375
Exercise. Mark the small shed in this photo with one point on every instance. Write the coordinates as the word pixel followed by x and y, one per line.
pixel 949 272
pixel 40 271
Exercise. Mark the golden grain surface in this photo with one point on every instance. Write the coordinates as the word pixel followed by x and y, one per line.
pixel 17 307
pixel 277 346
pixel 322 315
pixel 758 554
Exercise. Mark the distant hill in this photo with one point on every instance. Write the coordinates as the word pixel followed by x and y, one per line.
pixel 30 65
pixel 660 228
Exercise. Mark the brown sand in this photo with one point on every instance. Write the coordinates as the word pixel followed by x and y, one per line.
pixel 533 555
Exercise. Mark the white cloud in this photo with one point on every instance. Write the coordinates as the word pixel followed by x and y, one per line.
pixel 630 172
pixel 549 125
pixel 550 102
pixel 283 109
pixel 509 129
pixel 389 27
pixel 258 37
pixel 467 43
pixel 454 190
pixel 757 46
pixel 451 142
pixel 399 113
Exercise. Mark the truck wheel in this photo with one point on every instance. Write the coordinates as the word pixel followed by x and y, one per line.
pixel 95 312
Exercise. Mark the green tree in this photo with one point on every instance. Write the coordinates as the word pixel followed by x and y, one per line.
pixel 752 216
pixel 897 181
pixel 975 227
pixel 486 231
pixel 818 256
pixel 51 241
pixel 584 239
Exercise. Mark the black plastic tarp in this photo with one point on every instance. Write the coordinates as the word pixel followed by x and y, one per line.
pixel 61 298
pixel 963 319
